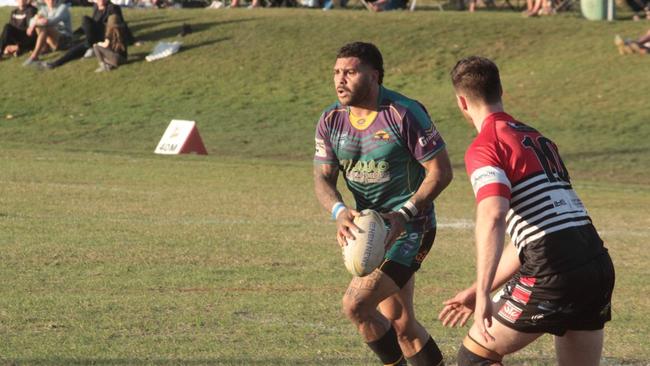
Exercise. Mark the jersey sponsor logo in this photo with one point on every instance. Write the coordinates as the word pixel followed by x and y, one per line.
pixel 369 171
pixel 538 208
pixel 430 136
pixel 521 295
pixel 382 135
pixel 537 317
pixel 488 175
pixel 510 312
pixel 19 16
pixel 343 139
pixel 520 127
pixel 528 281
pixel 321 152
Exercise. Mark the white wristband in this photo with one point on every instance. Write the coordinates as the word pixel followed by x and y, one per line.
pixel 408 210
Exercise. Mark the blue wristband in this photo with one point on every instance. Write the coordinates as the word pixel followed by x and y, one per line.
pixel 336 209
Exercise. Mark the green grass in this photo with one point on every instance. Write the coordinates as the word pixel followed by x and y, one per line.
pixel 113 255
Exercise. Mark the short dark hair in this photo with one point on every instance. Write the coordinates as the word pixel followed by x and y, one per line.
pixel 478 77
pixel 368 53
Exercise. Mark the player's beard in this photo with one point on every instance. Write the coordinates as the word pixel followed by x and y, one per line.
pixel 359 95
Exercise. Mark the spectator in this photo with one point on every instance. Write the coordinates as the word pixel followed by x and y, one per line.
pixel 329 4
pixel 640 46
pixel 112 53
pixel 14 39
pixel 253 4
pixel 53 27
pixel 385 5
pixel 538 7
pixel 94 28
pixel 641 8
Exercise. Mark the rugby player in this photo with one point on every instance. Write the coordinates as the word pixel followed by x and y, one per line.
pixel 558 276
pixel 393 161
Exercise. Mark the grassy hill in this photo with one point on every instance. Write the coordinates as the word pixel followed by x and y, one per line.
pixel 112 255
pixel 256 82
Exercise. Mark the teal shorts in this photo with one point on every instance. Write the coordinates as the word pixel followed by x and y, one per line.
pixel 409 251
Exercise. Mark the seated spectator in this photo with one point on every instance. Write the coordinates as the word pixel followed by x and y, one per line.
pixel 641 9
pixel 14 39
pixel 253 4
pixel 94 28
pixel 53 27
pixel 329 4
pixel 538 7
pixel 112 53
pixel 640 46
pixel 386 5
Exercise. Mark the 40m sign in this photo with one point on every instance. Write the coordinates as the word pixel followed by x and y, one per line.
pixel 181 137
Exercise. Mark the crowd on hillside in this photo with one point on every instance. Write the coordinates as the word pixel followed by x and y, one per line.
pixel 106 35
pixel 37 31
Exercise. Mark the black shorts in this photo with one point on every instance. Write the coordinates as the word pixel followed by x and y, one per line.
pixel 402 273
pixel 575 300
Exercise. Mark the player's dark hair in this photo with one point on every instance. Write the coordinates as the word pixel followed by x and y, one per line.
pixel 478 77
pixel 368 53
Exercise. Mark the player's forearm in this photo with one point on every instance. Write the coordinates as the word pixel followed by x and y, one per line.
pixel 325 189
pixel 438 176
pixel 508 266
pixel 490 234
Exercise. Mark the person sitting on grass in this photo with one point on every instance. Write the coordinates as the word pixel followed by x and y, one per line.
pixel 14 39
pixel 386 5
pixel 112 52
pixel 640 46
pixel 538 7
pixel 53 27
pixel 93 28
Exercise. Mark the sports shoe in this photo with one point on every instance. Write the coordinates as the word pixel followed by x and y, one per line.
pixel 623 47
pixel 90 53
pixel 102 67
pixel 45 65
pixel 30 62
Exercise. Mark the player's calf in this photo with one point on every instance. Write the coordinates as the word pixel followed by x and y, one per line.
pixel 471 353
pixel 387 349
pixel 429 355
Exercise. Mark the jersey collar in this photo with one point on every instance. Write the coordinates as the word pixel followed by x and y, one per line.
pixel 496 116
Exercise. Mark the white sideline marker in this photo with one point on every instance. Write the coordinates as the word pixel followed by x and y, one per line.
pixel 181 137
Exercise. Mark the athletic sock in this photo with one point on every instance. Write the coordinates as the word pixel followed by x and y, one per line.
pixel 387 349
pixel 429 355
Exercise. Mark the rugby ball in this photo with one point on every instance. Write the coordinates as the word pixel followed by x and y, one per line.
pixel 365 253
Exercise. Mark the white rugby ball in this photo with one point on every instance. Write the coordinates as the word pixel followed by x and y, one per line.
pixel 365 253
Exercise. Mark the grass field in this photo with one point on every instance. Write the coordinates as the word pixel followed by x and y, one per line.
pixel 112 255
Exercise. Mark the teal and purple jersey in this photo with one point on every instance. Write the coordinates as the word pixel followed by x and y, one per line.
pixel 380 158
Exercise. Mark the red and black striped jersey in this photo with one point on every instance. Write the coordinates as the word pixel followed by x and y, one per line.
pixel 547 222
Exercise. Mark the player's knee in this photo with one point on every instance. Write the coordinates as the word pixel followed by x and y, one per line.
pixel 469 358
pixel 355 309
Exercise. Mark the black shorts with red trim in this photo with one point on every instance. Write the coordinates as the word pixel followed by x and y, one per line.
pixel 574 300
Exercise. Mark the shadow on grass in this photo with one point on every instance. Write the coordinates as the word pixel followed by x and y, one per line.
pixel 173 31
pixel 140 25
pixel 140 56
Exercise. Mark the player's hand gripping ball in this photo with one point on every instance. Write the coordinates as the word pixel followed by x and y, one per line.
pixel 365 253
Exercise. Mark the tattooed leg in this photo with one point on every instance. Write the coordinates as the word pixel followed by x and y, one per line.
pixel 361 300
